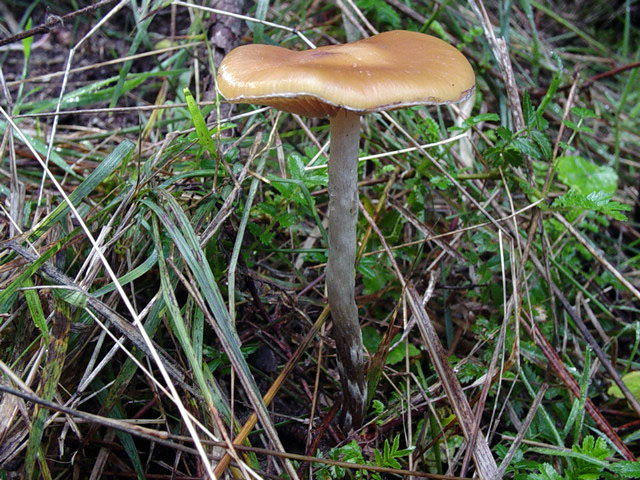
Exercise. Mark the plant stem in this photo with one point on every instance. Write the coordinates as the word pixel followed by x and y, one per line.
pixel 343 218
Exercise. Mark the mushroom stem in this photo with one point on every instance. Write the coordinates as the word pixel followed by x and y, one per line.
pixel 343 218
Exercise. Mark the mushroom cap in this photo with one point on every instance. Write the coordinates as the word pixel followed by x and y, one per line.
pixel 387 71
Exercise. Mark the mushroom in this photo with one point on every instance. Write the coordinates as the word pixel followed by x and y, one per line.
pixel 390 70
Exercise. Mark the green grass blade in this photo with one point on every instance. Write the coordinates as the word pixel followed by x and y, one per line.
pixel 26 44
pixel 54 363
pixel 9 294
pixel 141 34
pixel 41 148
pixel 233 262
pixel 97 92
pixel 130 276
pixel 570 26
pixel 179 229
pixel 547 418
pixel 262 6
pixel 584 392
pixel 201 126
pixel 35 308
pixel 201 373
pixel 110 163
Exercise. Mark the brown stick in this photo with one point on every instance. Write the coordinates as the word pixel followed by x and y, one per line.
pixel 52 21
pixel 561 370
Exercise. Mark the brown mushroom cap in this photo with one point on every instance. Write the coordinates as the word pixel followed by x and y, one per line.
pixel 391 70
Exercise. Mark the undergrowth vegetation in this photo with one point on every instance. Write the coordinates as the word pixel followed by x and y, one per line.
pixel 162 253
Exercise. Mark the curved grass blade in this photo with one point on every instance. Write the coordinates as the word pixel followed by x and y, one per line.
pixel 130 276
pixel 202 375
pixel 140 36
pixel 231 280
pixel 41 148
pixel 96 92
pixel 110 163
pixel 179 229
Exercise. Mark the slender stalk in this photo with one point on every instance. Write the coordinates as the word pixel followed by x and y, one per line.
pixel 343 217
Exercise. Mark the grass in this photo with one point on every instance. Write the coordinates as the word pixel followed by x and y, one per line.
pixel 161 270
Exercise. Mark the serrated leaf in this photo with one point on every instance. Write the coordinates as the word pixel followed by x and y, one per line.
pixel 266 237
pixel 440 182
pixel 578 127
pixel 585 457
pixel 381 12
pixel 504 133
pixel 528 112
pixel 614 209
pixel 626 469
pixel 596 449
pixel 378 457
pixel 547 472
pixel 499 156
pixel 543 143
pixel 583 112
pixel 295 167
pixel 571 124
pixel 597 201
pixel 377 406
pixel 592 461
pixel 286 219
pixel 287 189
pixel 526 146
pixel 512 158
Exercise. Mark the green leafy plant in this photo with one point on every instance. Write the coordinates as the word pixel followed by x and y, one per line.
pixel 546 472
pixel 381 11
pixel 352 453
pixel 510 148
pixel 597 201
pixel 631 380
pixel 372 338
pixel 585 176
pixel 390 454
pixel 209 227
